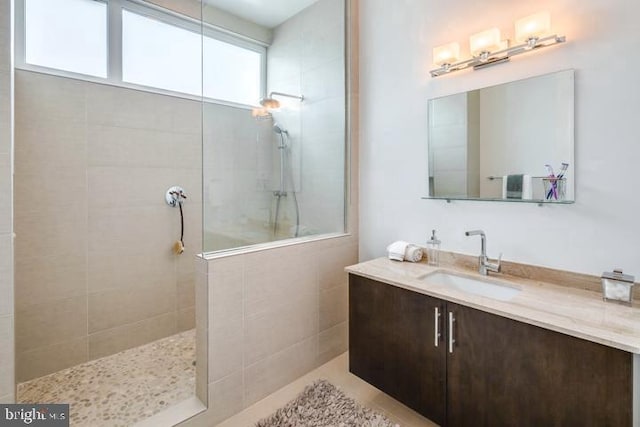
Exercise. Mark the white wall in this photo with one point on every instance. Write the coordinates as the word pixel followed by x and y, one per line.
pixel 597 233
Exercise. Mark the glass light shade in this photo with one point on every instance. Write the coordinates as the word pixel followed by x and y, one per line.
pixel 446 54
pixel 270 103
pixel 533 26
pixel 485 41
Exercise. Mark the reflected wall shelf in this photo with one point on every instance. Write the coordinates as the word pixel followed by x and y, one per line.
pixel 539 202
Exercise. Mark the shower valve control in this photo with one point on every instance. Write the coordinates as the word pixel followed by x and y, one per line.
pixel 175 195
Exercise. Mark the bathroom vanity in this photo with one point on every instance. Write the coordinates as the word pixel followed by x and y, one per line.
pixel 533 355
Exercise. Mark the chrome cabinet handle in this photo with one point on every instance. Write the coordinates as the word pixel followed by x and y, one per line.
pixel 436 334
pixel 451 339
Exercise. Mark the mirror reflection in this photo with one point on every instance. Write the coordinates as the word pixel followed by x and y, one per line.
pixel 510 142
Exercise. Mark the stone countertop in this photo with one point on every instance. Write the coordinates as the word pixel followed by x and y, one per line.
pixel 576 312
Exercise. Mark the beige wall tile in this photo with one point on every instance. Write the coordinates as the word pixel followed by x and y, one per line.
pixel 127 147
pixel 45 360
pixel 6 188
pixel 59 100
pixel 110 268
pixel 121 149
pixel 6 249
pixel 334 306
pixel 281 336
pixel 186 117
pixel 45 278
pixel 50 323
pixel 282 326
pixel 202 330
pixel 272 277
pixel 111 308
pixel 6 275
pixel 333 342
pixel 60 231
pixel 226 350
pixel 50 146
pixel 226 283
pixel 6 283
pixel 121 187
pixel 5 113
pixel 5 39
pixel 331 263
pixel 6 356
pixel 186 319
pixel 9 398
pixel 121 107
pixel 132 335
pixel 226 397
pixel 133 230
pixel 271 373
pixel 202 300
pixel 50 192
pixel 186 291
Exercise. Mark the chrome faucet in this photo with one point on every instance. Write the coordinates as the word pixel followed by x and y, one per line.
pixel 484 266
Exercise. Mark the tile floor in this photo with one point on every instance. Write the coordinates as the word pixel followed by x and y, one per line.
pixel 123 388
pixel 336 372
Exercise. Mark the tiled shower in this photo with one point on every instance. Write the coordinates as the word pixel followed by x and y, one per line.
pixel 96 275
pixel 94 269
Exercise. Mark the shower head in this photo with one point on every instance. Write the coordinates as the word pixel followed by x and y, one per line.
pixel 271 103
pixel 277 129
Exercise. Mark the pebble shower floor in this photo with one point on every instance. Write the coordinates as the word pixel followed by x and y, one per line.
pixel 124 388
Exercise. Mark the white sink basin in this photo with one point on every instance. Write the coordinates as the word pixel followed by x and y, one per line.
pixel 485 288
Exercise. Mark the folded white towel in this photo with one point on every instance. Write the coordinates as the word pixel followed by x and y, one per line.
pixel 413 253
pixel 404 251
pixel 396 250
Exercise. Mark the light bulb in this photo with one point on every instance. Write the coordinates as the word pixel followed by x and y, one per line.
pixel 485 41
pixel 533 27
pixel 446 54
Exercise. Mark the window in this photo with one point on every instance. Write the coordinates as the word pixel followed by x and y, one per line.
pixel 159 50
pixel 68 35
pixel 231 73
pixel 160 55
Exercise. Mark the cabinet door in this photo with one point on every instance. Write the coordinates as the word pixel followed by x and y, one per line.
pixel 392 344
pixel 507 373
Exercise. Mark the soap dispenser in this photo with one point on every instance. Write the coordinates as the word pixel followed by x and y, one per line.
pixel 433 249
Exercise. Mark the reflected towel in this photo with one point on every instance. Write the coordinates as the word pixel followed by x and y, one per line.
pixel 517 187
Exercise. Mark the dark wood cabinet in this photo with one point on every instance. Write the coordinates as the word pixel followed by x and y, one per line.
pixel 507 373
pixel 499 372
pixel 392 344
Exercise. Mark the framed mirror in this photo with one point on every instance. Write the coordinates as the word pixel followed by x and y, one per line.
pixel 512 142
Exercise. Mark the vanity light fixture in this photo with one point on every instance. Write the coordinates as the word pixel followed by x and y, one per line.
pixel 486 47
